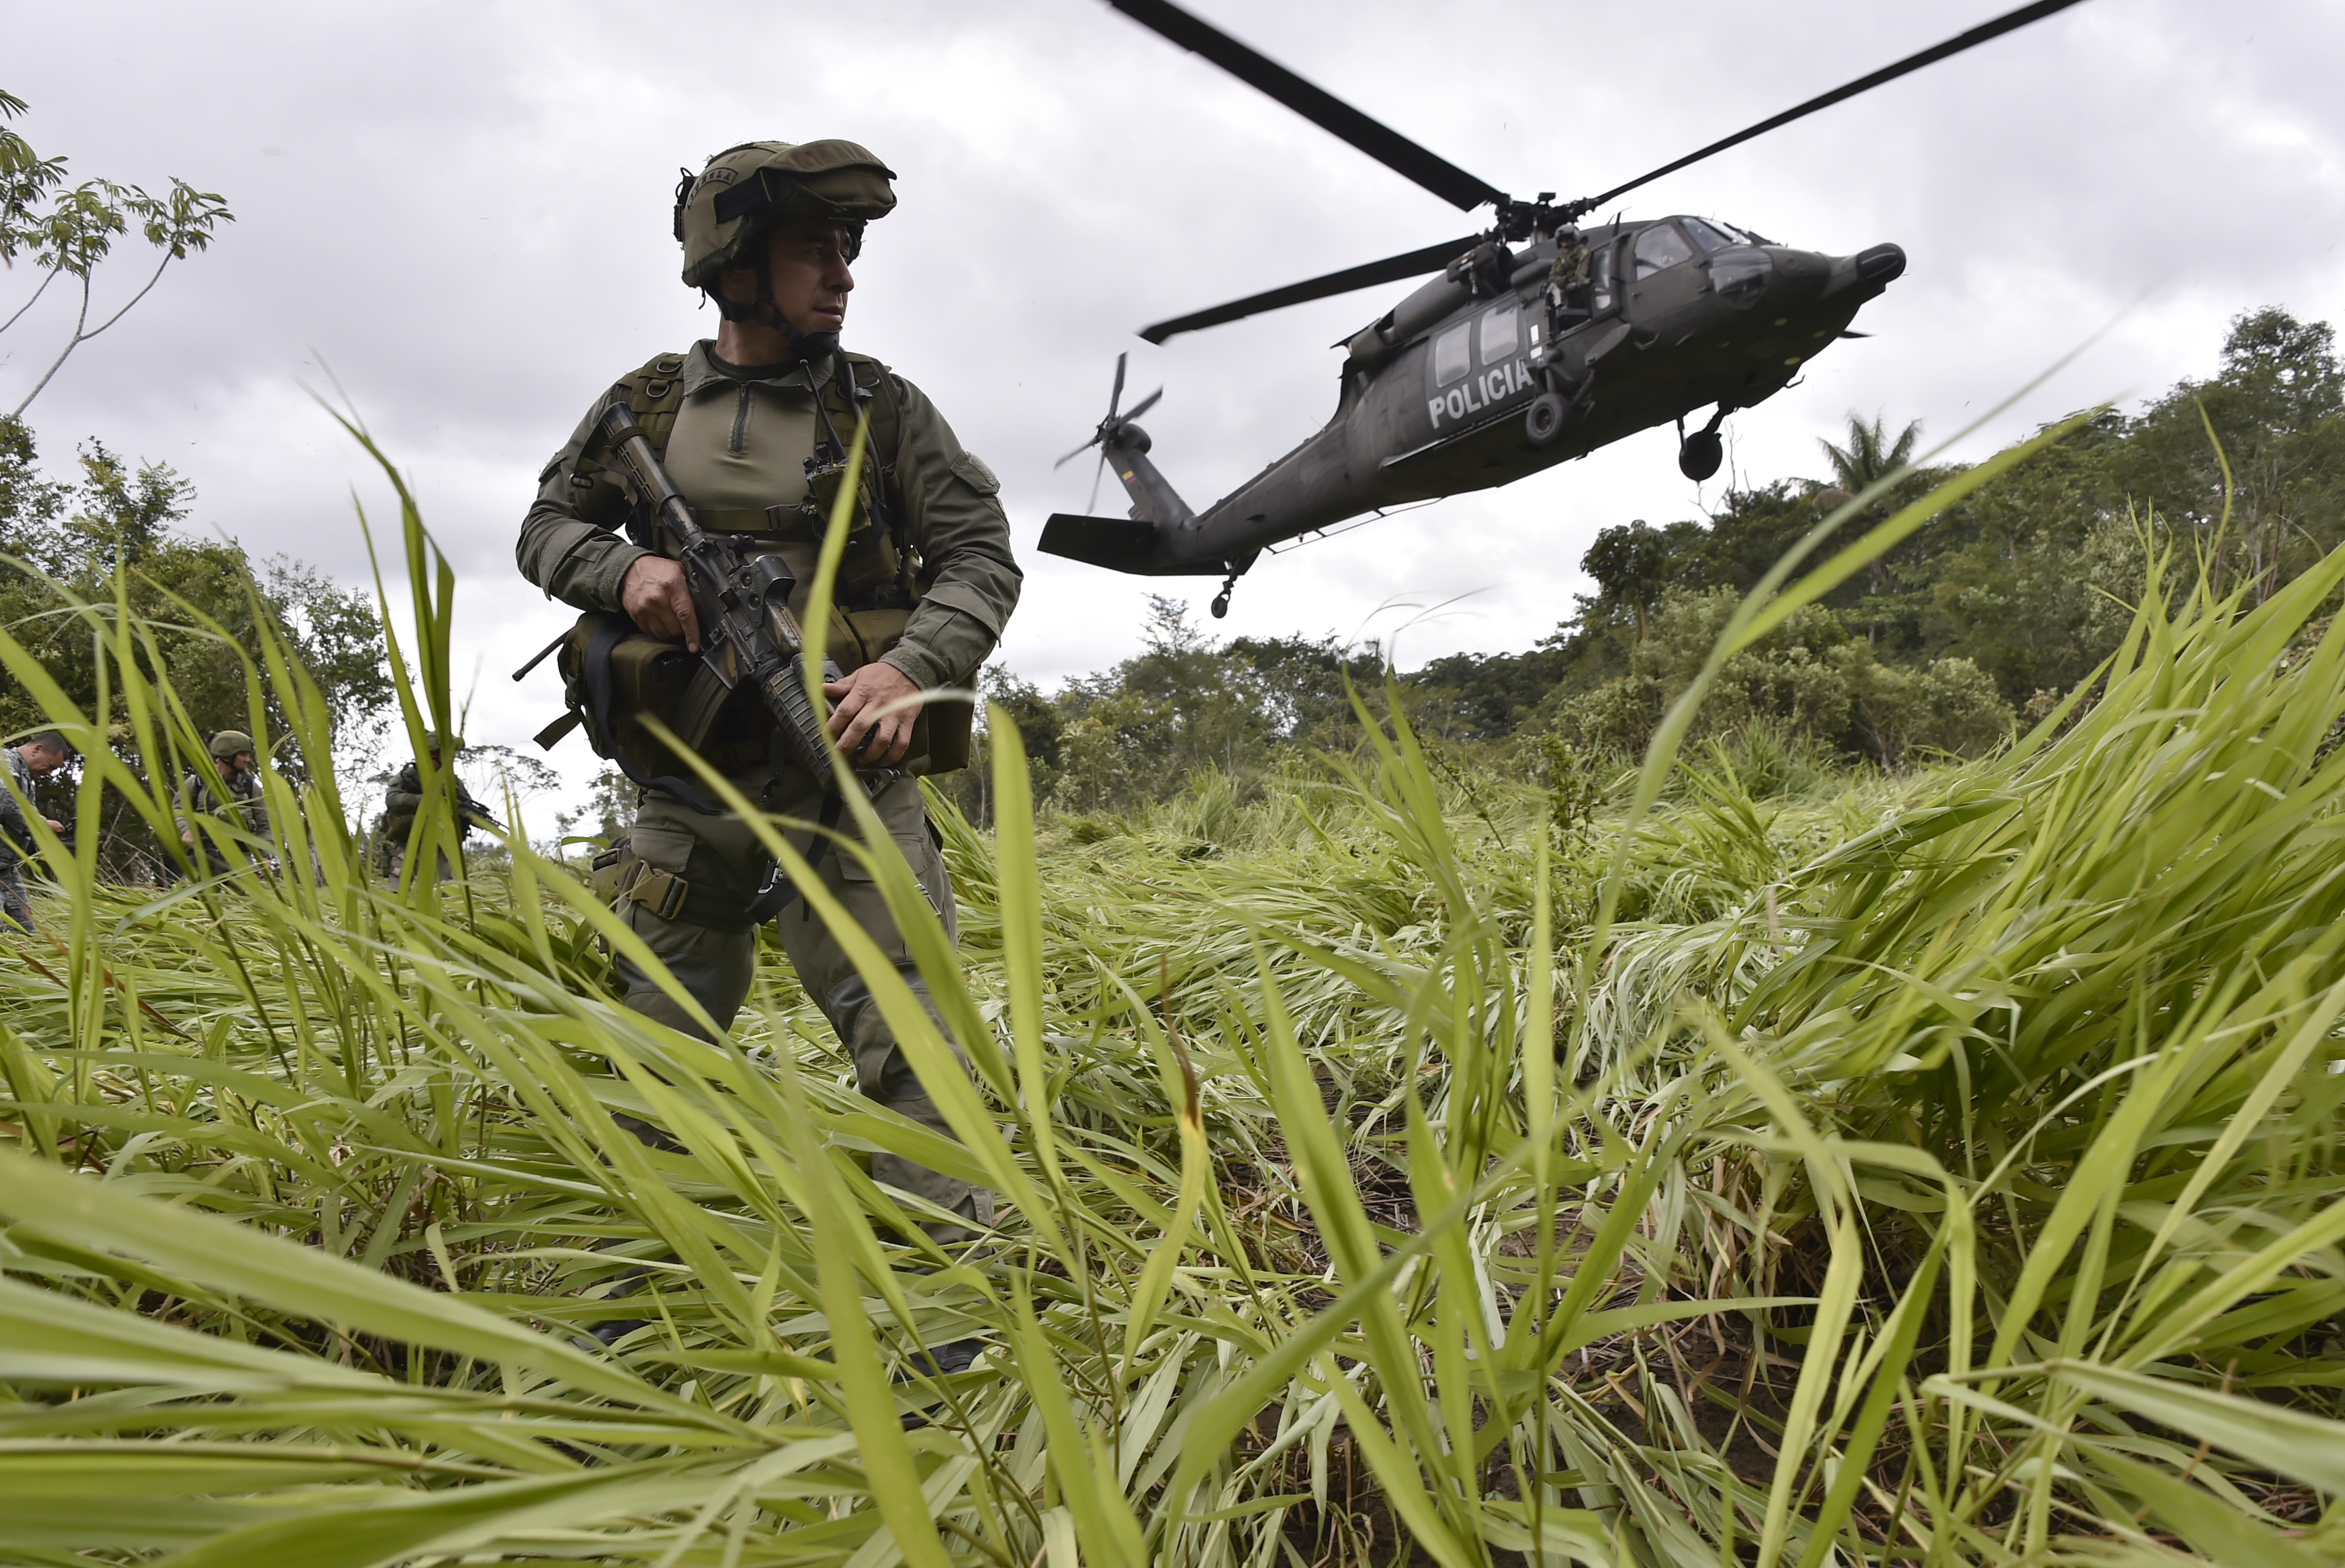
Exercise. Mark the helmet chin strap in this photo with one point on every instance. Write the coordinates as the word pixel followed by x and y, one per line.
pixel 805 346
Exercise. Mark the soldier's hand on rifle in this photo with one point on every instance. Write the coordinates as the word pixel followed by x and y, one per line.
pixel 864 733
pixel 654 598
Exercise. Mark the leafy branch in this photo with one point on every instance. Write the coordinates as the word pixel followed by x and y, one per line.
pixel 69 232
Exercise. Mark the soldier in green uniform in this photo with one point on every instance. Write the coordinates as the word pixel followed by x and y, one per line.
pixel 232 752
pixel 768 230
pixel 36 758
pixel 404 798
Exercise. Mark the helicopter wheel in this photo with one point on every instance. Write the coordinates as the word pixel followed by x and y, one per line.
pixel 1547 419
pixel 1701 454
pixel 1220 605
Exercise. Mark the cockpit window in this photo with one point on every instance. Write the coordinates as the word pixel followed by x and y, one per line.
pixel 1660 247
pixel 1714 237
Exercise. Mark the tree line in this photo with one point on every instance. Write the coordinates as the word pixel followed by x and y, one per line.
pixel 112 530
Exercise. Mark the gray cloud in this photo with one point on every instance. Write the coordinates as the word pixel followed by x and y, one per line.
pixel 461 210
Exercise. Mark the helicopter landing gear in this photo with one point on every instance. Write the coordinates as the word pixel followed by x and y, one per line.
pixel 1546 418
pixel 1701 453
pixel 1220 605
pixel 1558 408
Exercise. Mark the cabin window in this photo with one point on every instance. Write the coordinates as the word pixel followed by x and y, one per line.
pixel 1712 237
pixel 1599 280
pixel 1659 247
pixel 1453 354
pixel 1498 338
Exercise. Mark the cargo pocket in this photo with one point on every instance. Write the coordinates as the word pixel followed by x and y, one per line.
pixel 928 869
pixel 669 848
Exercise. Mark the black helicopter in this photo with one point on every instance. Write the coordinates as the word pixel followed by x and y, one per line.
pixel 1540 340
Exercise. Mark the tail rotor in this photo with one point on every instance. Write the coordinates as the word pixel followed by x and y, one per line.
pixel 1111 430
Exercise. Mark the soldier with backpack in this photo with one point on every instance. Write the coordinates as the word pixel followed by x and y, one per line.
pixel 404 798
pixel 753 428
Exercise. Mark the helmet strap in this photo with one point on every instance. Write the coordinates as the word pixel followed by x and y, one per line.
pixel 761 309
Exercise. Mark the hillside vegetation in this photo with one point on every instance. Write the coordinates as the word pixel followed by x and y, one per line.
pixel 1398 1160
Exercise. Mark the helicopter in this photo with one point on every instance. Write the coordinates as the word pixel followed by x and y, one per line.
pixel 1540 340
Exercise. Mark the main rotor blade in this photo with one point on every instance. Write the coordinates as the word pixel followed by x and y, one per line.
pixel 1116 396
pixel 1391 270
pixel 1074 455
pixel 2009 22
pixel 1090 508
pixel 1145 404
pixel 1323 109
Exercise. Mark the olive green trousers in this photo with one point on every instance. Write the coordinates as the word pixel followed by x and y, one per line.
pixel 722 859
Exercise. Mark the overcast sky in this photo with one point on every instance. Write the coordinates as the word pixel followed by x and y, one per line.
pixel 463 210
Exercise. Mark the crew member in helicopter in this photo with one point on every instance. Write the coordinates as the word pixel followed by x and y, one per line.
pixel 1568 278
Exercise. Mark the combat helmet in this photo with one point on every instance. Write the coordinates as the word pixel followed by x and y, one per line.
pixel 746 190
pixel 442 745
pixel 228 743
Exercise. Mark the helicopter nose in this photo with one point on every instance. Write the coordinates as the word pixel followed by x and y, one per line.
pixel 1869 272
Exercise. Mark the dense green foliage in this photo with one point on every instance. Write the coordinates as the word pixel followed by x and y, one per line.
pixel 1939 1169
pixel 1981 617
pixel 109 541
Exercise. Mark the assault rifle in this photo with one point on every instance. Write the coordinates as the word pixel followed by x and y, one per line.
pixel 746 629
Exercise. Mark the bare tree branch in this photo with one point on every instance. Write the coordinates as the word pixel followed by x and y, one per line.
pixel 85 337
pixel 72 344
pixel 46 280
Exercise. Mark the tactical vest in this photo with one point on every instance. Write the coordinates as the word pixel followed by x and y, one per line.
pixel 613 674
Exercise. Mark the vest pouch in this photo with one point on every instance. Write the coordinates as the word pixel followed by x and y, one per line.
pixel 940 735
pixel 870 567
pixel 649 675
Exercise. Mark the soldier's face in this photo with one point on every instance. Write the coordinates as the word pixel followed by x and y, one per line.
pixel 42 760
pixel 807 264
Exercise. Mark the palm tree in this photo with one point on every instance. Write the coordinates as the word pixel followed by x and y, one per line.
pixel 1870 457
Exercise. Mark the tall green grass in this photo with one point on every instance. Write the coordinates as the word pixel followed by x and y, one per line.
pixel 1942 1172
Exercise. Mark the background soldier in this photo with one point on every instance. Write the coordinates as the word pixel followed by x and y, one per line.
pixel 35 759
pixel 405 798
pixel 232 751
pixel 929 581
